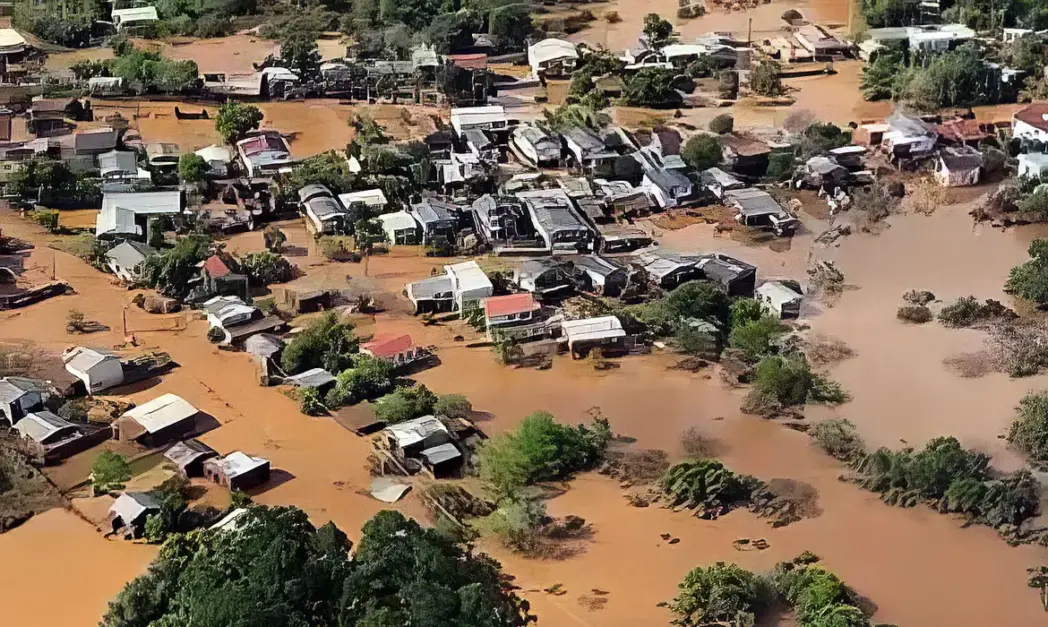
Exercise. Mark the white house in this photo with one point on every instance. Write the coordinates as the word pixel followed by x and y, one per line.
pixel 470 284
pixel 779 299
pixel 227 311
pixel 592 331
pixel 98 370
pixel 136 16
pixel 400 228
pixel 552 57
pixel 486 118
pixel 373 198
pixel 123 213
pixel 1032 164
pixel 1031 122
pixel 958 166
pixel 125 259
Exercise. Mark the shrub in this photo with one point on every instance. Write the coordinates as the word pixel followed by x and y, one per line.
pixel 368 378
pixel 1029 431
pixel 540 449
pixel 745 310
pixel 756 337
pixel 696 341
pixel 453 406
pixel 721 594
pixel 917 314
pixel 47 218
pixel 309 402
pixel 787 381
pixel 192 168
pixel 967 311
pixel 765 81
pixel 405 404
pixel 918 297
pixel 707 484
pixel 109 472
pixel 839 438
pixel 235 119
pixel 780 166
pixel 612 17
pixel 722 124
pixel 702 152
pixel 695 445
pixel 516 523
pixel 263 268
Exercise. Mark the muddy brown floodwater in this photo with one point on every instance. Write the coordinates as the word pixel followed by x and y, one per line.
pixel 919 567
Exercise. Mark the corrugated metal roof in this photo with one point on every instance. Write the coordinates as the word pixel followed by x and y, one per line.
pixel 161 412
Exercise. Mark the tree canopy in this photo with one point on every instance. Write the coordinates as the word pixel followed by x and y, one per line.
pixel 702 152
pixel 652 87
pixel 300 55
pixel 327 342
pixel 1029 431
pixel 540 449
pixel 278 570
pixel 170 271
pixel 1029 280
pixel 192 168
pixel 235 119
pixel 657 30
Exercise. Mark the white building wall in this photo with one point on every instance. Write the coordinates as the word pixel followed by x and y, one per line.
pixel 1028 131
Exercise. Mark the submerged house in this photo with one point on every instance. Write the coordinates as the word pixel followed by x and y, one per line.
pixel 325 213
pixel 460 288
pixel 121 167
pixel 958 166
pixel 587 150
pixel 232 321
pixel 128 213
pixel 543 277
pixel 50 437
pixel 556 221
pixel 128 513
pixel 500 218
pixel 667 270
pixel 126 260
pixel 266 153
pixel 189 456
pixel 237 471
pixel 509 315
pixel 718 182
pixel 427 440
pixel 21 395
pixel 745 155
pixel 98 370
pixel 399 350
pixel 600 275
pixel 622 199
pixel 437 217
pixel 668 188
pixel 400 228
pixel 738 278
pixel 780 299
pixel 164 419
pixel 583 335
pixel 552 58
pixel 219 279
pixel 908 136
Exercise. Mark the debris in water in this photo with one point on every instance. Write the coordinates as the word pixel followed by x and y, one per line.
pixel 388 490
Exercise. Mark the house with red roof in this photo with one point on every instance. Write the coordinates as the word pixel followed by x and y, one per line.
pixel 219 280
pixel 513 315
pixel 400 350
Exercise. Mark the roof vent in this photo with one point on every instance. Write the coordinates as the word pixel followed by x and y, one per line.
pixel 1044 116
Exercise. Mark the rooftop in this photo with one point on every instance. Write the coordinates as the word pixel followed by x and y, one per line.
pixel 14 388
pixel 312 378
pixel 604 327
pixel 131 506
pixel 215 267
pixel 186 452
pixel 468 276
pixel 412 432
pixel 1036 115
pixel 387 345
pixel 130 253
pixel 83 359
pixel 497 306
pixel 43 425
pixel 238 463
pixel 161 412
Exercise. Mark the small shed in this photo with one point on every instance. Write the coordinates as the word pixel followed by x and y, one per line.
pixel 780 299
pixel 717 182
pixel 738 278
pixel 442 460
pixel 99 370
pixel 824 172
pixel 161 420
pixel 129 511
pixel 666 270
pixel 237 471
pixel 264 345
pixel 582 335
pixel 189 456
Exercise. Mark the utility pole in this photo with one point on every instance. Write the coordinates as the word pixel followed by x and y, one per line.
pixel 749 31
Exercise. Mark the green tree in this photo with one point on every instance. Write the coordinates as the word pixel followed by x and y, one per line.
pixel 1030 279
pixel 109 472
pixel 839 438
pixel 328 342
pixel 701 300
pixel 765 80
pixel 756 337
pixel 235 119
pixel 511 25
pixel 300 55
pixel 539 449
pixel 702 152
pixel 453 406
pixel 264 268
pixel 657 30
pixel 192 168
pixel 723 123
pixel 170 271
pixel 881 78
pixel 309 402
pixel 719 594
pixel 405 403
pixel 367 378
pixel 1029 430
pixel 450 32
pixel 652 87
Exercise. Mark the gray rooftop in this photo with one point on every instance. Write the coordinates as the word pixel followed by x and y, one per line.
pixel 188 451
pixel 313 378
pixel 14 388
pixel 130 253
pixel 432 210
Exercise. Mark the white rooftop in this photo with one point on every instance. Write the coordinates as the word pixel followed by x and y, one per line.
pixel 551 49
pixel 414 431
pixel 161 412
pixel 83 359
pixel 373 197
pixel 39 426
pixel 238 463
pixel 604 327
pixel 397 221
pixel 468 276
